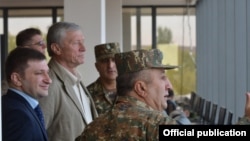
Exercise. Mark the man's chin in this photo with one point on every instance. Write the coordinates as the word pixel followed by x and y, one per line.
pixel 43 95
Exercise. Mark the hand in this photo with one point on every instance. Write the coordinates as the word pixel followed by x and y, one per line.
pixel 247 106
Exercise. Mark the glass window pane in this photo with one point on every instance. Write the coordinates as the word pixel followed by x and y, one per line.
pixel 141 28
pixel 1 21
pixel 40 19
pixel 176 38
pixel 20 23
pixel 60 14
pixel 146 28
pixel 133 33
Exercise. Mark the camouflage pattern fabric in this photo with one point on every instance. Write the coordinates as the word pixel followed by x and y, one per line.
pixel 107 50
pixel 103 99
pixel 129 120
pixel 137 60
pixel 244 121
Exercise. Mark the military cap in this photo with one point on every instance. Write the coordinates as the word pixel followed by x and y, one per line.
pixel 137 60
pixel 107 50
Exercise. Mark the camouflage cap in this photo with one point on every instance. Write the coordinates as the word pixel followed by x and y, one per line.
pixel 107 50
pixel 137 60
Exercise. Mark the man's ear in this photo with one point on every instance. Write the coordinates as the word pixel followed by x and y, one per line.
pixel 140 88
pixel 16 79
pixel 55 48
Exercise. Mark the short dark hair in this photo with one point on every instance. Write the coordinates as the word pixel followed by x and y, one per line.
pixel 24 36
pixel 17 60
pixel 125 82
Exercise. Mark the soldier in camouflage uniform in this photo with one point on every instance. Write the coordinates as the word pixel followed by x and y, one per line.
pixel 142 90
pixel 103 90
pixel 246 119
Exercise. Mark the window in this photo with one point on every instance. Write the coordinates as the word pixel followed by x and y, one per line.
pixel 174 33
pixel 171 29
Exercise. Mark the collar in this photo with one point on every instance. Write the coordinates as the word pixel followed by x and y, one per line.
pixel 73 79
pixel 32 101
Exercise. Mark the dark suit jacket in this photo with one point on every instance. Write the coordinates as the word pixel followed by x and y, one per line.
pixel 19 120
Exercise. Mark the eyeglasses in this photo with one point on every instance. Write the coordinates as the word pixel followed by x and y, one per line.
pixel 40 43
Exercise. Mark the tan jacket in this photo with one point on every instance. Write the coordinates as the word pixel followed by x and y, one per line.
pixel 63 114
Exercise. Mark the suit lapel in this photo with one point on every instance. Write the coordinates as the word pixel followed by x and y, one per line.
pixel 38 121
pixel 28 108
pixel 63 76
pixel 92 106
pixel 71 93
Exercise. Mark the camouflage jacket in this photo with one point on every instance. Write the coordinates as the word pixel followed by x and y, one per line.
pixel 103 99
pixel 129 120
pixel 244 121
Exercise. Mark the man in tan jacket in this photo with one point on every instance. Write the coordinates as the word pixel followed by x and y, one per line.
pixel 69 106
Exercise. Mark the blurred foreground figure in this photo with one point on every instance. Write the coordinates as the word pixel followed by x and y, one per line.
pixel 142 89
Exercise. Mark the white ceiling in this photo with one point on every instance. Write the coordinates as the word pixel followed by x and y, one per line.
pixel 41 3
pixel 159 2
pixel 178 6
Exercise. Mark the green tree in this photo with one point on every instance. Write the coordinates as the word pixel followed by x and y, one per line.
pixel 164 35
pixel 184 79
pixel 11 42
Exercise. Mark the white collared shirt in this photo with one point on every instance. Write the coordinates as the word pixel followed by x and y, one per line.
pixel 85 102
pixel 81 95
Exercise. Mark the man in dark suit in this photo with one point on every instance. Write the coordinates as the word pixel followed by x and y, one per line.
pixel 27 76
